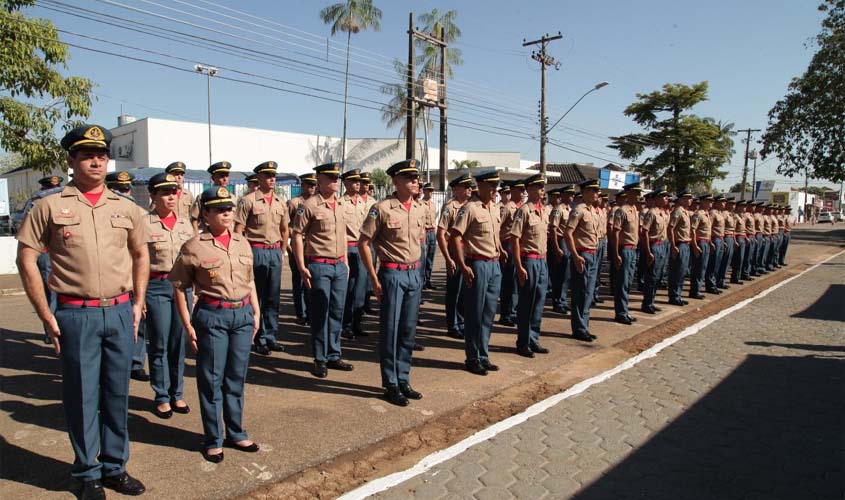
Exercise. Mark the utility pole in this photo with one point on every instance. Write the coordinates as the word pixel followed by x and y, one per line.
pixel 413 101
pixel 754 175
pixel 544 60
pixel 209 71
pixel 745 166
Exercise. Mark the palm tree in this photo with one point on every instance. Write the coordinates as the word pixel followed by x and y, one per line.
pixel 351 16
pixel 466 164
pixel 429 58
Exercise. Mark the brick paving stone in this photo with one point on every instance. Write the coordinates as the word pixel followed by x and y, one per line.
pixel 747 408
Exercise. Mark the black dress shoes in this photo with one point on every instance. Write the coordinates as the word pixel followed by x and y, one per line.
pixel 455 334
pixel 538 349
pixel 250 448
pixel 714 291
pixel 489 366
pixel 320 370
pixel 339 364
pixel 409 391
pixel 395 396
pixel 623 319
pixel 348 334
pixel 506 322
pixel 215 459
pixel 139 375
pixel 162 414
pixel 276 347
pixel 262 350
pixel 418 347
pixel 92 490
pixel 649 310
pixel 697 296
pixel 184 410
pixel 301 321
pixel 124 484
pixel 584 337
pixel 525 351
pixel 476 367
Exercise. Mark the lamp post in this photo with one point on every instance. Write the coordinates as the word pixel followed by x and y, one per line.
pixel 595 87
pixel 209 71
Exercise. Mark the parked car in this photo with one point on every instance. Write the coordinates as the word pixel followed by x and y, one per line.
pixel 825 217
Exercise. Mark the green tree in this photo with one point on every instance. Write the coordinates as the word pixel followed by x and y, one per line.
pixel 352 16
pixel 466 164
pixel 381 181
pixel 685 150
pixel 429 59
pixel 806 128
pixel 34 95
pixel 738 188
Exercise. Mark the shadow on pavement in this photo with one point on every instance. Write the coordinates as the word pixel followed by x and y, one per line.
pixel 803 347
pixel 772 429
pixel 821 236
pixel 828 307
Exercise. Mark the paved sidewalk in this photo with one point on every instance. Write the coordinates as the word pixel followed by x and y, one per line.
pixel 750 407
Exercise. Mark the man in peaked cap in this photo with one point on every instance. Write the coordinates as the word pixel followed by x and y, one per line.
pixel 98 249
pixel 395 226
pixel 510 292
pixel 624 240
pixel 680 235
pixel 120 182
pixel 219 178
pixel 308 186
pixel 185 199
pixel 581 234
pixel 740 242
pixel 528 236
pixel 729 243
pixel 560 277
pixel 367 194
pixel 653 235
pixel 718 226
pixel 356 288
pixel 461 192
pixel 251 183
pixel 430 234
pixel 262 217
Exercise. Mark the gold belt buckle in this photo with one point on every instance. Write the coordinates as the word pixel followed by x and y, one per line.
pixel 237 305
pixel 105 302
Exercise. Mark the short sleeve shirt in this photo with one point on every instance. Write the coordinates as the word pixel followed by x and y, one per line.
pixel 654 224
pixel 212 269
pixel 627 220
pixel 353 226
pixel 507 217
pixel 430 213
pixel 89 246
pixel 479 225
pixel 448 214
pixel 395 231
pixel 164 244
pixel 679 224
pixel 531 227
pixel 558 218
pixel 323 228
pixel 263 222
pixel 584 222
pixel 701 225
pixel 717 224
pixel 730 223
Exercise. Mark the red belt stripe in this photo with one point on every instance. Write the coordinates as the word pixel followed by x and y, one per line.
pixel 225 304
pixel 78 301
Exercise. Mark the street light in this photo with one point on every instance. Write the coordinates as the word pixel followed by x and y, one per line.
pixel 209 71
pixel 595 87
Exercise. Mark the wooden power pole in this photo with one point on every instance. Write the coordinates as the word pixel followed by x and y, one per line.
pixel 748 132
pixel 544 60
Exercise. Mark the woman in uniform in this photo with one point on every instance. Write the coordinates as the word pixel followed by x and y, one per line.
pixel 218 265
pixel 167 234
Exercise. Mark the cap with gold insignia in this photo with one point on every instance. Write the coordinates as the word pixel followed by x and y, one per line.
pixel 119 179
pixel 251 178
pixel 428 187
pixel 309 178
pixel 87 137
pixel 719 197
pixel 489 175
pixel 268 167
pixel 365 177
pixel 175 168
pixel 633 186
pixel 567 189
pixel 407 168
pixel 506 187
pixel 221 167
pixel 162 181
pixel 683 193
pixel 589 184
pixel 604 196
pixel 332 168
pixel 535 179
pixel 519 184
pixel 351 175
pixel 51 181
pixel 462 180
pixel 216 197
pixel 706 197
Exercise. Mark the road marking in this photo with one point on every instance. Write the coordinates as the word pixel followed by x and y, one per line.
pixel 391 480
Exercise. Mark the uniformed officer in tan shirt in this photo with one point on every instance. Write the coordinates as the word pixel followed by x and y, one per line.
pixel 217 264
pixel 353 309
pixel 395 226
pixel 561 275
pixel 100 265
pixel 741 242
pixel 367 194
pixel 461 192
pixel 430 234
pixel 262 217
pixel 624 241
pixel 185 199
pixel 528 238
pixel 581 235
pixel 319 244
pixel 601 204
pixel 701 227
pixel 219 178
pixel 476 230
pixel 787 231
pixel 717 243
pixel 308 186
pixel 656 252
pixel 680 236
pixel 760 250
pixel 729 245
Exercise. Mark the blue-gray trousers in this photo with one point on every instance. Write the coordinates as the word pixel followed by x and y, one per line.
pixel 397 323
pixel 532 299
pixel 267 268
pixel 678 265
pixel 328 293
pixel 622 279
pixel 167 341
pixel 583 288
pixel 480 308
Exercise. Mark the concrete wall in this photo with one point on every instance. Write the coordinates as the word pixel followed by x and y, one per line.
pixel 8 254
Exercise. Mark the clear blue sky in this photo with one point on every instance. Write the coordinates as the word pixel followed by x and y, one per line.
pixel 747 50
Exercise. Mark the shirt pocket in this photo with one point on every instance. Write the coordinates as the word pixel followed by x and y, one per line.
pixel 484 223
pixel 211 270
pixel 158 243
pixel 68 231
pixel 120 229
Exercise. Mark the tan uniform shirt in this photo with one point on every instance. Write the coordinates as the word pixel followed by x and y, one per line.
pixel 717 224
pixel 559 217
pixel 353 229
pixel 89 246
pixel 262 222
pixel 213 270
pixel 479 225
pixel 395 231
pixel 627 220
pixel 758 223
pixel 730 223
pixel 679 225
pixel 602 211
pixel 787 223
pixel 654 223
pixel 323 229
pixel 531 226
pixel 750 223
pixel 507 218
pixel 293 204
pixel 585 222
pixel 164 243
pixel 430 214
pixel 701 225
pixel 739 224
